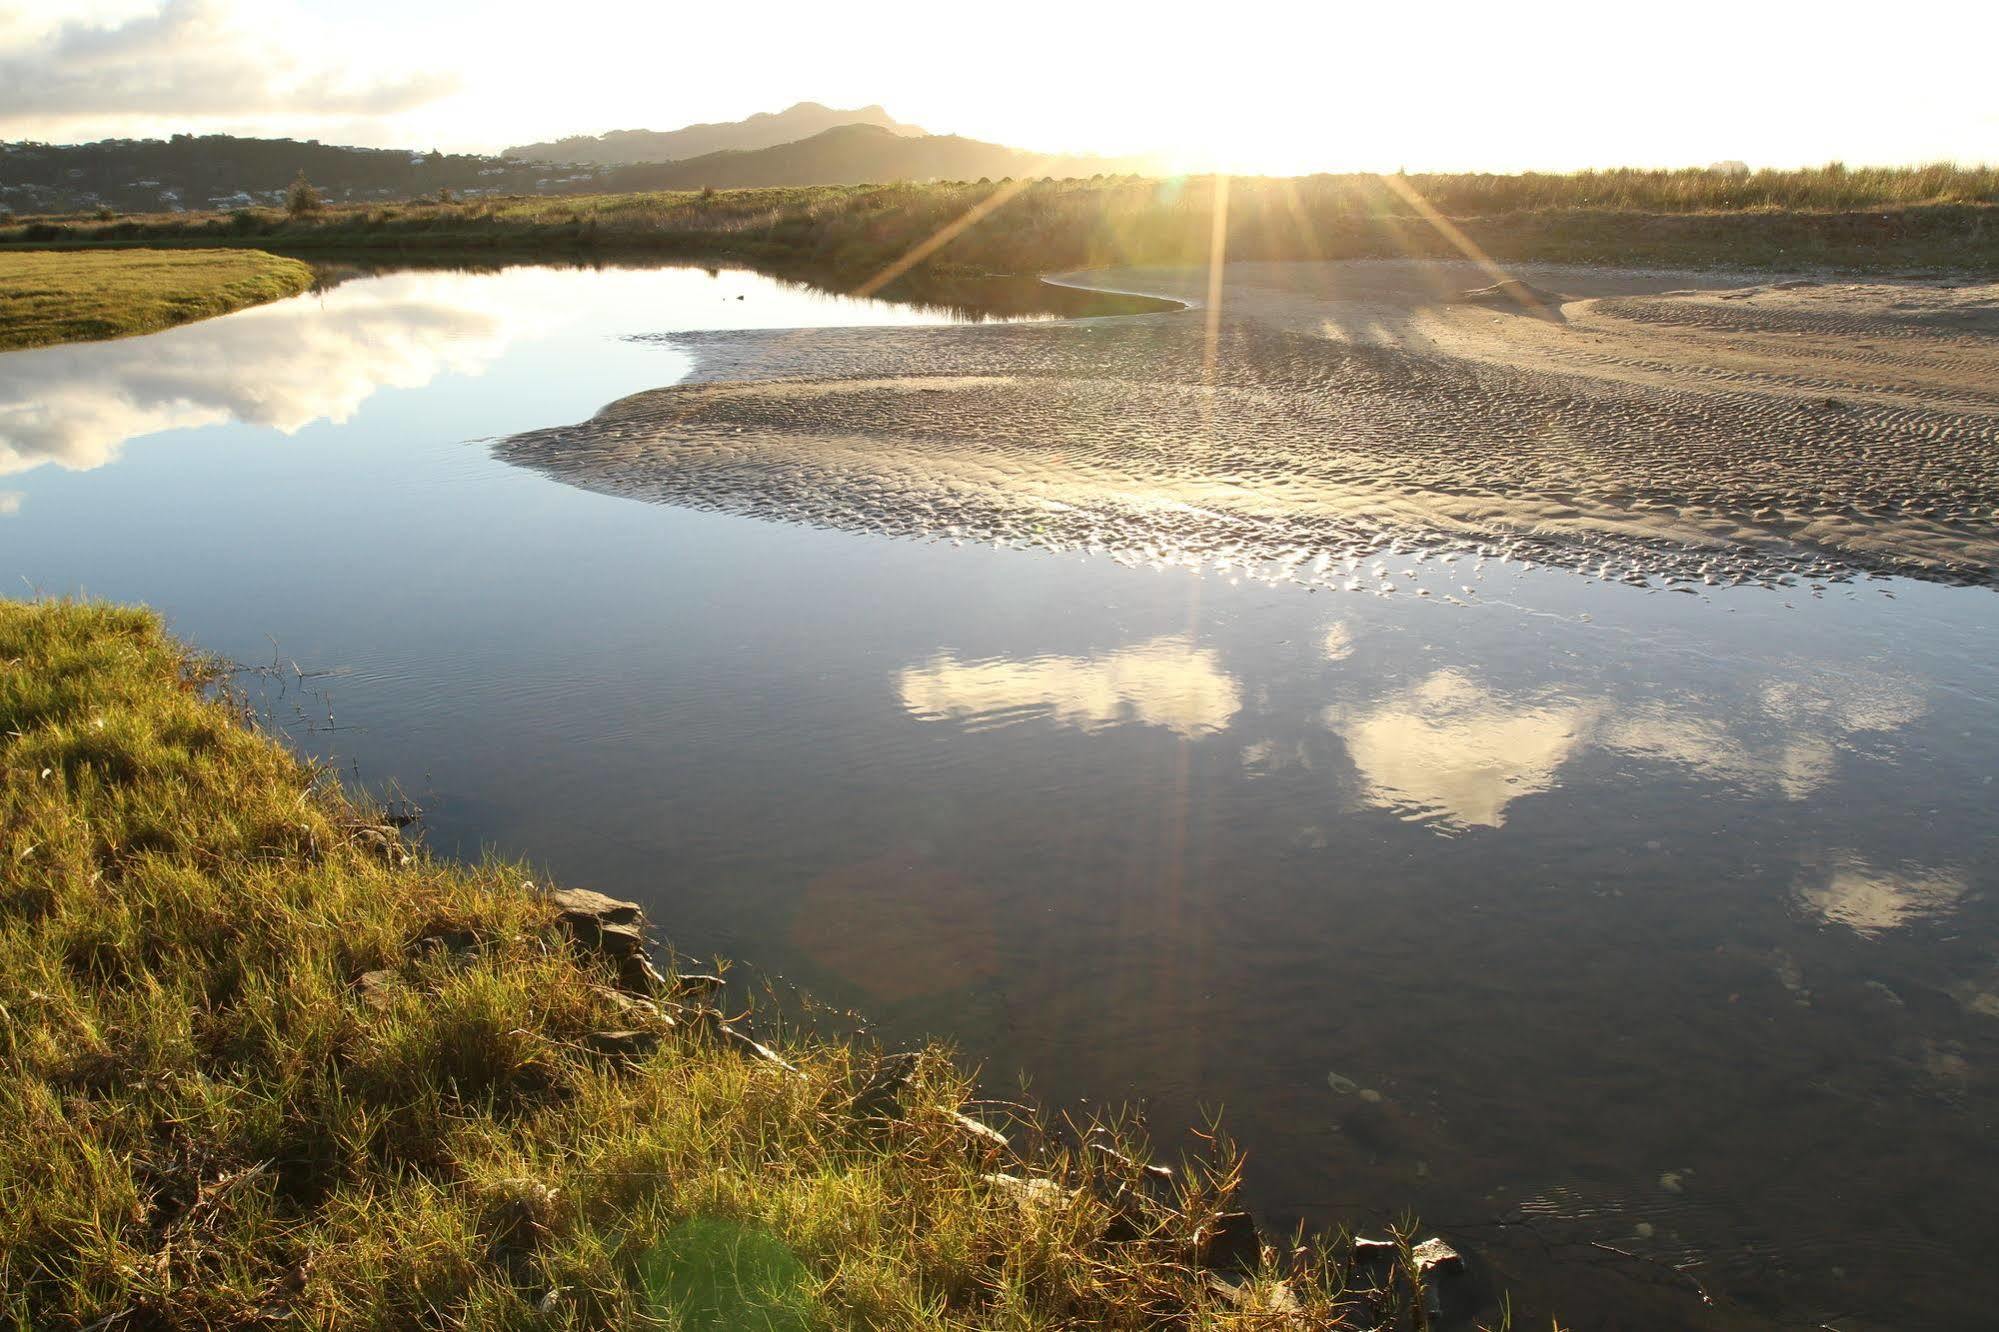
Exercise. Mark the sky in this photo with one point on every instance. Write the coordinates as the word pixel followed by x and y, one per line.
pixel 1242 86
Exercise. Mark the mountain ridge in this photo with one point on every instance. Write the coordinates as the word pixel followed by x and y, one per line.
pixel 859 155
pixel 764 129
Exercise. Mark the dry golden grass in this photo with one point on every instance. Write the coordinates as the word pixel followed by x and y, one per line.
pixel 1860 219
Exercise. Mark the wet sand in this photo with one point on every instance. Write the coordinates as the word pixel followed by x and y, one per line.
pixel 1639 426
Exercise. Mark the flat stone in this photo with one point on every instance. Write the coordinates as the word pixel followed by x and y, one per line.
pixel 1374 1252
pixel 1034 1195
pixel 1157 1174
pixel 629 1005
pixel 623 1046
pixel 601 924
pixel 583 902
pixel 743 1042
pixel 1247 1297
pixel 983 1136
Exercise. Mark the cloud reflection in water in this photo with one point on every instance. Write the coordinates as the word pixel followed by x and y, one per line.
pixel 1871 900
pixel 1450 750
pixel 1166 682
pixel 281 366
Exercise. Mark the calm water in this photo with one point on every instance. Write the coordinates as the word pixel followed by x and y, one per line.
pixel 1615 930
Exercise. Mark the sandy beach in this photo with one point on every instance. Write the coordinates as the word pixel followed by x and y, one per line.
pixel 1710 429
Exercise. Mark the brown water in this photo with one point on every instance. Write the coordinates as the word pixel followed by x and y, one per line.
pixel 1641 940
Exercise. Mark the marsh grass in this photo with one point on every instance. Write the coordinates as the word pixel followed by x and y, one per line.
pixel 1864 219
pixel 209 1119
pixel 69 296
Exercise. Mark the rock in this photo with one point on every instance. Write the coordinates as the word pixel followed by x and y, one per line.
pixel 1513 294
pixel 1248 1297
pixel 983 1137
pixel 1435 1257
pixel 743 1042
pixel 1374 1253
pixel 878 1096
pixel 1157 1174
pixel 637 975
pixel 380 841
pixel 456 943
pixel 630 1005
pixel 378 988
pixel 1229 1242
pixel 624 1047
pixel 1036 1197
pixel 598 923
pixel 696 985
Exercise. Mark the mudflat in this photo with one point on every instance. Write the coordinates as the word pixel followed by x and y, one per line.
pixel 1298 417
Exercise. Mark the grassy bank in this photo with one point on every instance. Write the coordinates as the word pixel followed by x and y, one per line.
pixel 262 1062
pixel 67 296
pixel 1860 220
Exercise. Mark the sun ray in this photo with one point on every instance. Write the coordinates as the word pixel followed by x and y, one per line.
pixel 1451 232
pixel 943 236
pixel 1218 253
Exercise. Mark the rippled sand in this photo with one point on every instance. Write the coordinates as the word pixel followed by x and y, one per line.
pixel 1636 426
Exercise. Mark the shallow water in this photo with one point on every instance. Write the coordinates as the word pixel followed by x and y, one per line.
pixel 1615 929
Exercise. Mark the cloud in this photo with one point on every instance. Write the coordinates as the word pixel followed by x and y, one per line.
pixel 187 61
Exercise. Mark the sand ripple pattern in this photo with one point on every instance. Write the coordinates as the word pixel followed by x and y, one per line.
pixel 1848 435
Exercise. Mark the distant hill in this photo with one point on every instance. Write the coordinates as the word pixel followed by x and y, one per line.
pixel 766 129
pixel 222 171
pixel 857 155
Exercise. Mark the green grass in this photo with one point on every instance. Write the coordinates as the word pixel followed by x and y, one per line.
pixel 68 296
pixel 208 1120
pixel 1938 217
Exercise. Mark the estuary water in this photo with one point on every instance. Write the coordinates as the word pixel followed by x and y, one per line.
pixel 1640 938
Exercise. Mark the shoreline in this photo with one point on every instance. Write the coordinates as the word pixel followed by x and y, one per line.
pixel 300 1069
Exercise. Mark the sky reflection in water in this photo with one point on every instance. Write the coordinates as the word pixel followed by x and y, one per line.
pixel 1591 885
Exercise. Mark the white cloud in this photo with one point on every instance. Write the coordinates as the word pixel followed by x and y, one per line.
pixel 192 64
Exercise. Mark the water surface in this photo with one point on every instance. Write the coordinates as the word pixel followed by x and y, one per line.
pixel 1618 930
